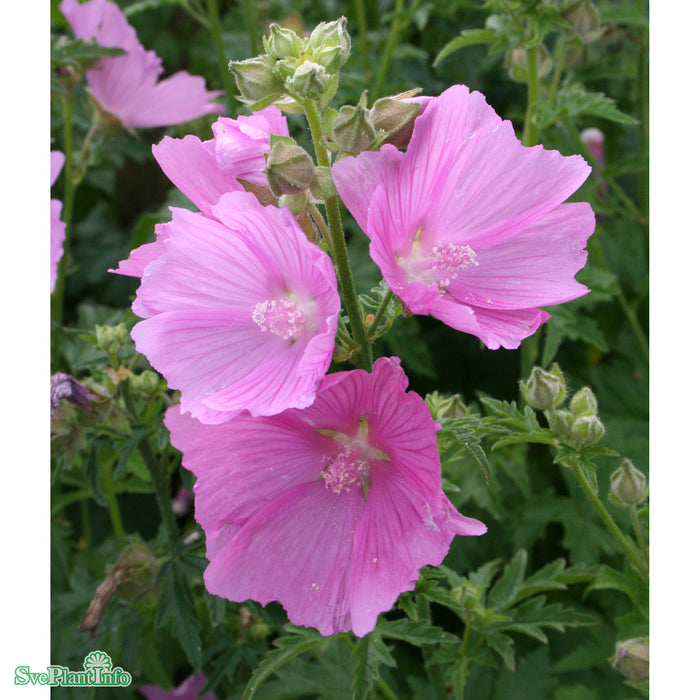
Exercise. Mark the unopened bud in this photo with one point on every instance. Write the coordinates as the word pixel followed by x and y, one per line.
pixel 309 80
pixel 632 658
pixel 329 44
pixel 446 407
pixel 584 403
pixel 255 80
pixel 516 64
pixel 560 423
pixel 586 431
pixel 352 130
pixel 289 169
pixel 396 118
pixel 465 594
pixel 296 203
pixel 282 42
pixel 322 186
pixel 594 139
pixel 145 384
pixel 584 20
pixel 628 486
pixel 544 390
pixel 182 503
pixel 111 338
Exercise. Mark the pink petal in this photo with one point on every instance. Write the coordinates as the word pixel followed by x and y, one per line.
pixel 296 551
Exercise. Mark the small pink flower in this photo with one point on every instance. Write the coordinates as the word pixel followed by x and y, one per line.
pixel 331 510
pixel 241 309
pixel 127 86
pixel 468 225
pixel 189 689
pixel 58 227
pixel 205 170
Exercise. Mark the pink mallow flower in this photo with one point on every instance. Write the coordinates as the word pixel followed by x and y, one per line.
pixel 189 689
pixel 58 227
pixel 241 310
pixel 127 86
pixel 468 225
pixel 331 510
pixel 205 170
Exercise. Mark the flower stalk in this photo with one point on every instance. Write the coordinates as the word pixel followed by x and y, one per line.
pixel 340 250
pixel 217 35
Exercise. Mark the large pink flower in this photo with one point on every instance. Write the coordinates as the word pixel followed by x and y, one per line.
pixel 58 227
pixel 241 310
pixel 205 170
pixel 468 225
pixel 127 86
pixel 330 510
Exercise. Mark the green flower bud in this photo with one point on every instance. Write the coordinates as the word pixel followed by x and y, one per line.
pixel 322 186
pixel 309 80
pixel 560 422
pixel 544 390
pixel 631 658
pixel 296 203
pixel 352 130
pixel 628 486
pixel 282 42
pixel 329 44
pixel 584 20
pixel 396 118
pixel 516 64
pixel 584 403
pixel 255 80
pixel 586 431
pixel 146 384
pixel 289 169
pixel 111 338
pixel 446 407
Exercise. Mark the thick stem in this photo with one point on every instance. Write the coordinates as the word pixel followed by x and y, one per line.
pixel 218 36
pixel 615 531
pixel 251 27
pixel 112 506
pixel 435 675
pixel 361 16
pixel 340 250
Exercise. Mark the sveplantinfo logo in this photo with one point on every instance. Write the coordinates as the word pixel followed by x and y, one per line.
pixel 97 671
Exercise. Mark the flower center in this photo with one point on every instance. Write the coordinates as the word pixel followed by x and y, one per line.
pixel 448 259
pixel 281 317
pixel 344 471
pixel 350 467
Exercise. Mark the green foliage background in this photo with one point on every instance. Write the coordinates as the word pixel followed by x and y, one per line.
pixel 545 539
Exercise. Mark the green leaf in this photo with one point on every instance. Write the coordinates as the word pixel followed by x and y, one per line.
pixel 78 53
pixel 128 447
pixel 573 101
pixel 629 583
pixel 416 632
pixel 298 641
pixel 502 644
pixel 467 38
pixel 369 652
pixel 565 325
pixel 176 608
pixel 505 591
pixel 464 432
pixel 93 471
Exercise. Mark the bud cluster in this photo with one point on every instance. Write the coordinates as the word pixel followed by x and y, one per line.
pixel 294 68
pixel 577 426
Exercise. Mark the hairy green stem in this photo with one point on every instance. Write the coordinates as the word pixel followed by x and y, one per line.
pixel 385 690
pixel 560 59
pixel 322 227
pixel 380 313
pixel 340 250
pixel 361 16
pixel 531 134
pixel 85 522
pixel 218 36
pixel 632 554
pixel 435 675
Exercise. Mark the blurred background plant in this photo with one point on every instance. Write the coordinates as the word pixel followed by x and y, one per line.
pixel 559 555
